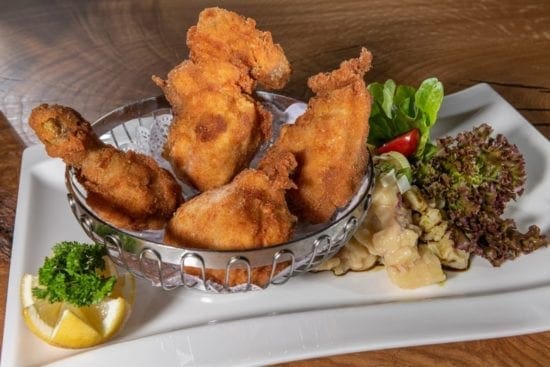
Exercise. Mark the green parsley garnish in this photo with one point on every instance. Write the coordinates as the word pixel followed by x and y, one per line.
pixel 72 275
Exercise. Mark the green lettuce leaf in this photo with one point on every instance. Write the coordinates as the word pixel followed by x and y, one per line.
pixel 399 109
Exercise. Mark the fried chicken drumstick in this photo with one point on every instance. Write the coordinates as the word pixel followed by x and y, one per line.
pixel 217 125
pixel 127 189
pixel 328 141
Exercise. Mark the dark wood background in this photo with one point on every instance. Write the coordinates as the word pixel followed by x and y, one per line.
pixel 97 55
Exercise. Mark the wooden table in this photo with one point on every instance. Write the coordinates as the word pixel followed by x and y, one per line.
pixel 97 55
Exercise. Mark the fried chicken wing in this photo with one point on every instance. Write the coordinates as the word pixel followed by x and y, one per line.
pixel 250 212
pixel 328 142
pixel 226 36
pixel 127 189
pixel 216 128
pixel 217 125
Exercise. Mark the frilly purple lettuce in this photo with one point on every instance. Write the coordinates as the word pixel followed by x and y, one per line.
pixel 472 177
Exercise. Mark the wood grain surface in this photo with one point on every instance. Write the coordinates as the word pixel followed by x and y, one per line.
pixel 97 55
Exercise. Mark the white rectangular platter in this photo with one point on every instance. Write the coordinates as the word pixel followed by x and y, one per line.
pixel 311 315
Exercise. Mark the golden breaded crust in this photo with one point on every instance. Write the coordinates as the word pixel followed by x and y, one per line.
pixel 217 126
pixel 127 189
pixel 250 212
pixel 227 36
pixel 328 142
pixel 63 131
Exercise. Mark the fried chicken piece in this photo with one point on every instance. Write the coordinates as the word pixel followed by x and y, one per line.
pixel 328 141
pixel 250 212
pixel 127 189
pixel 216 128
pixel 227 36
pixel 217 125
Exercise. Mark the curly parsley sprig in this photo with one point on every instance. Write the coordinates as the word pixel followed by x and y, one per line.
pixel 72 275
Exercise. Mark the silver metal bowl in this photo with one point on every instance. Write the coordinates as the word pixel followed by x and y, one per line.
pixel 144 254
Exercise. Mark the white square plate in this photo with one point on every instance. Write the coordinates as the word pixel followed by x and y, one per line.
pixel 312 315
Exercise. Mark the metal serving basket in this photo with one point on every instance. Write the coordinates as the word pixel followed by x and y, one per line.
pixel 144 254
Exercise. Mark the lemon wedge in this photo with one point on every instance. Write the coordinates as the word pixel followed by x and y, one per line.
pixel 64 325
